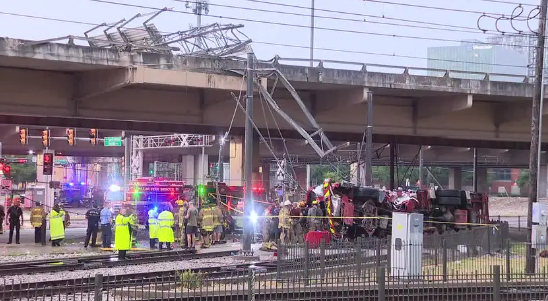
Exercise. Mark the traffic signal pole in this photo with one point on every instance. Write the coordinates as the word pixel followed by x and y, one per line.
pixel 248 161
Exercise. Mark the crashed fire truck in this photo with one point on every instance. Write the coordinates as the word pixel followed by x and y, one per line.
pixel 364 211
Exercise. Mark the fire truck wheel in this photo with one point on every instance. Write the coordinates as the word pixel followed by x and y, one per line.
pixel 451 193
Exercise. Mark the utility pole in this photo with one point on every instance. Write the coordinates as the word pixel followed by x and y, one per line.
pixel 369 142
pixel 312 9
pixel 199 7
pixel 358 166
pixel 535 135
pixel 248 160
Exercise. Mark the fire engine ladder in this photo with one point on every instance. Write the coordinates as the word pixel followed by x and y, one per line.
pixel 318 131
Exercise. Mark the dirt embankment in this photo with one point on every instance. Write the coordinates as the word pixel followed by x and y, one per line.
pixel 509 206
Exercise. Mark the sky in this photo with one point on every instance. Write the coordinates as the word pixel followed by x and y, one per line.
pixel 344 28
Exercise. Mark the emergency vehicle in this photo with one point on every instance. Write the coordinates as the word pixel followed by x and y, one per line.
pixel 144 194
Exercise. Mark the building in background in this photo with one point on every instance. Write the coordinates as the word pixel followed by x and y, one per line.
pixel 477 56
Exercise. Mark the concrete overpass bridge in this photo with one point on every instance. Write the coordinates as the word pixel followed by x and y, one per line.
pixel 53 84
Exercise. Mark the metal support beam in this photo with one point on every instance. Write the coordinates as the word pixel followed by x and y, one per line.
pixel 475 171
pixel 369 142
pixel 392 165
pixel 248 160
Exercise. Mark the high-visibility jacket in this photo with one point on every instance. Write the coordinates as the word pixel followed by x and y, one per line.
pixel 166 223
pixel 36 216
pixel 122 235
pixel 152 224
pixel 207 216
pixel 56 227
pixel 284 218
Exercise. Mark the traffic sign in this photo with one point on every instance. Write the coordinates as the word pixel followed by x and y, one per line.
pixel 113 141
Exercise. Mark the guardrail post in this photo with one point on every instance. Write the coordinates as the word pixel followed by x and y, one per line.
pixel 306 269
pixel 358 257
pixel 378 252
pixel 279 254
pixel 98 296
pixel 322 258
pixel 508 260
pixel 496 283
pixel 389 253
pixel 43 232
pixel 251 285
pixel 381 278
pixel 444 259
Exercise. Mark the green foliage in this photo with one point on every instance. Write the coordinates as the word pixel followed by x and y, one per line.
pixel 523 178
pixel 191 280
pixel 335 172
pixel 23 172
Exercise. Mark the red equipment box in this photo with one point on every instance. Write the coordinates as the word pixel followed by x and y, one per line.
pixel 314 238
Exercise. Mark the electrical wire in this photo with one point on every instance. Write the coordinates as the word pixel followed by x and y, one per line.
pixel 284 45
pixel 357 14
pixel 363 21
pixel 458 10
pixel 299 25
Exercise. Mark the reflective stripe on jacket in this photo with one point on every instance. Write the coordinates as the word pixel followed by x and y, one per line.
pixel 207 215
pixel 36 216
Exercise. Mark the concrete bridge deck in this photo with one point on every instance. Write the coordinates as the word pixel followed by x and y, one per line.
pixel 52 84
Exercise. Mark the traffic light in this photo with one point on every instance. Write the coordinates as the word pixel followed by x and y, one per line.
pixel 71 133
pixel 47 167
pixel 6 169
pixel 45 138
pixel 93 136
pixel 201 191
pixel 24 136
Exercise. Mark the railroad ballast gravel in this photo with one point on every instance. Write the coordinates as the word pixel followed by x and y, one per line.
pixel 123 270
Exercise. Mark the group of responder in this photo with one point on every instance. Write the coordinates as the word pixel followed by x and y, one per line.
pixel 167 227
pixel 57 217
pixel 290 221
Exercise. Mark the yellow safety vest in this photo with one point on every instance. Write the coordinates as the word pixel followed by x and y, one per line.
pixel 166 223
pixel 122 236
pixel 152 226
pixel 208 219
pixel 56 227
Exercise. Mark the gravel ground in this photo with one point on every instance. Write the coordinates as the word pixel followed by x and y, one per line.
pixel 153 267
pixel 17 257
pixel 509 206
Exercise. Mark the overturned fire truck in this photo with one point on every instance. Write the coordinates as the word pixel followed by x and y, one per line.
pixel 355 211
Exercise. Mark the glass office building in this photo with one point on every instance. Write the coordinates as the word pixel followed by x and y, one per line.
pixel 476 57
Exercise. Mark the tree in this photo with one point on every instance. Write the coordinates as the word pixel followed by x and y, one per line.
pixel 23 173
pixel 523 178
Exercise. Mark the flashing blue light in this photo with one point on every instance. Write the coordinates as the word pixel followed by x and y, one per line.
pixel 155 208
pixel 82 183
pixel 71 184
pixel 114 188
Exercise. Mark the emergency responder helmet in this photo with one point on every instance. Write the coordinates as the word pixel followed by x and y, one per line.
pixel 315 202
pixel 287 203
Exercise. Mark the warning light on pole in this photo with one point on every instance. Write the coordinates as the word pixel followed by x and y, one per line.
pixel 201 190
pixel 24 136
pixel 93 135
pixel 45 138
pixel 47 168
pixel 71 133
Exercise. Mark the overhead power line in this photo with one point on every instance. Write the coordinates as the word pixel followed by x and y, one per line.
pixel 280 44
pixel 363 21
pixel 301 26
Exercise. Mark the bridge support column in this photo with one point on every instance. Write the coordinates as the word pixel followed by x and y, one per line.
pixel 265 177
pixel 201 168
pixel 483 186
pixel 187 171
pixel 300 174
pixel 455 178
pixel 354 174
pixel 236 177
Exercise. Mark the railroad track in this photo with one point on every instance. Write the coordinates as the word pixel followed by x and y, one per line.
pixel 82 285
pixel 101 261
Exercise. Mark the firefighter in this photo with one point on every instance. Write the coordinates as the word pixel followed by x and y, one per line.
pixel 217 224
pixel 122 232
pixel 314 217
pixel 181 220
pixel 207 221
pixel 56 225
pixel 37 216
pixel 285 222
pixel 297 234
pixel 153 227
pixel 165 230
pixel 93 216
